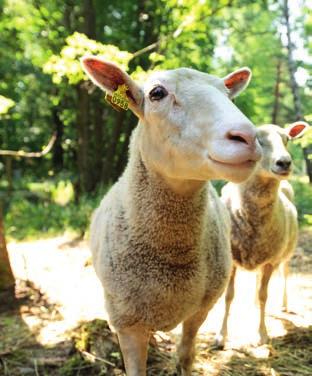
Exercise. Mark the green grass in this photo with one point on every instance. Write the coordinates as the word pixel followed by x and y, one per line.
pixel 47 210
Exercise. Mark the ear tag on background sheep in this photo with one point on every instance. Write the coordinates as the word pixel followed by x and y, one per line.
pixel 119 100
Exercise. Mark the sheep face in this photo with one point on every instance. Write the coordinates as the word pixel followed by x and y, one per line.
pixel 276 161
pixel 190 128
pixel 193 130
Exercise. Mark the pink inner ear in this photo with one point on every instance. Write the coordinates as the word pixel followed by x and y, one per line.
pixel 236 78
pixel 296 129
pixel 105 73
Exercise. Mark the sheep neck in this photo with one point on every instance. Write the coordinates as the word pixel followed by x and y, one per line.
pixel 259 197
pixel 173 224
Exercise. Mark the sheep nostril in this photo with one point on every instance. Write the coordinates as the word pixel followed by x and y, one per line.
pixel 237 138
pixel 245 138
pixel 284 164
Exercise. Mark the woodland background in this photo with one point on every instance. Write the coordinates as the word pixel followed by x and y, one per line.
pixel 44 91
pixel 62 146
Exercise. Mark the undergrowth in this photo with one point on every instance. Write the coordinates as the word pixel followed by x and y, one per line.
pixel 44 211
pixel 47 209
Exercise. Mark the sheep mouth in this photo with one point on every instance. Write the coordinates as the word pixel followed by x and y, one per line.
pixel 282 172
pixel 249 163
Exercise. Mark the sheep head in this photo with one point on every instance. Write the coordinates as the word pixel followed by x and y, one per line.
pixel 276 161
pixel 191 130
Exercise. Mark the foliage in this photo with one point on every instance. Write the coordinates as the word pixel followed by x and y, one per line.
pixel 303 200
pixel 67 63
pixel 5 104
pixel 49 209
pixel 42 42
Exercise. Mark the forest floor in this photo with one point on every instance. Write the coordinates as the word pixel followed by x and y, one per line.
pixel 57 326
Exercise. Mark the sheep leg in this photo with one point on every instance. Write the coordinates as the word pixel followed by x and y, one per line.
pixel 266 273
pixel 133 343
pixel 229 295
pixel 258 280
pixel 186 349
pixel 285 276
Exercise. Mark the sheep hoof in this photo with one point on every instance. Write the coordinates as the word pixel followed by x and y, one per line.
pixel 264 339
pixel 288 311
pixel 182 372
pixel 219 343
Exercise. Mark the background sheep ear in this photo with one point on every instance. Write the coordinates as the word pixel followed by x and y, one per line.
pixel 108 77
pixel 237 81
pixel 297 129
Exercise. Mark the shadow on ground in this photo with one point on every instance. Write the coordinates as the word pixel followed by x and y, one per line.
pixel 92 349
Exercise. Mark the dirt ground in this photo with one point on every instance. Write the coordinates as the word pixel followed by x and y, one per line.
pixel 57 326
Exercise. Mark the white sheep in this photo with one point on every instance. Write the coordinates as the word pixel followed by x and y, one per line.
pixel 264 218
pixel 160 238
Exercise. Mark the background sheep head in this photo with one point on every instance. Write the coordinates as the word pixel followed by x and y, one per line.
pixel 276 161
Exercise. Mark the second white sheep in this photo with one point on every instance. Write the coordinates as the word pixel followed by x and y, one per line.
pixel 264 218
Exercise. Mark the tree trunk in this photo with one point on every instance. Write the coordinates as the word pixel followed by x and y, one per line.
pixel 276 105
pixel 123 155
pixel 83 138
pixel 294 85
pixel 108 172
pixel 307 151
pixel 58 153
pixel 9 174
pixel 7 280
pixel 291 64
pixel 98 140
pixel 89 19
pixel 68 16
pixel 84 121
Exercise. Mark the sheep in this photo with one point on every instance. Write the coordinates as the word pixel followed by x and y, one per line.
pixel 264 218
pixel 160 238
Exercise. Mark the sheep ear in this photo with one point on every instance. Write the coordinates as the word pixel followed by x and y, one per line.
pixel 297 129
pixel 108 77
pixel 237 81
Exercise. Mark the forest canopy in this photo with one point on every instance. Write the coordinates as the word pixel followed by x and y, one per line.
pixel 43 89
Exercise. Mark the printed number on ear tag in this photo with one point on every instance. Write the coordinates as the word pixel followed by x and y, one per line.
pixel 119 100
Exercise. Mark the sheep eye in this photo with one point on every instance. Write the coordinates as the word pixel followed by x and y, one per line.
pixel 158 93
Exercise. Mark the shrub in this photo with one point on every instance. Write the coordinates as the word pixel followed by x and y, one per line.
pixel 48 210
pixel 303 199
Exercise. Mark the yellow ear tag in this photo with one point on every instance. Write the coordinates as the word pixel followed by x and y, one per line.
pixel 119 99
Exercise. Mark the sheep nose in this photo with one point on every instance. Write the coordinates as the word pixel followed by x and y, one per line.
pixel 284 163
pixel 244 137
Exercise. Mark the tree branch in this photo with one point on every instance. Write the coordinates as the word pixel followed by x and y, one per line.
pixel 177 32
pixel 25 154
pixel 147 48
